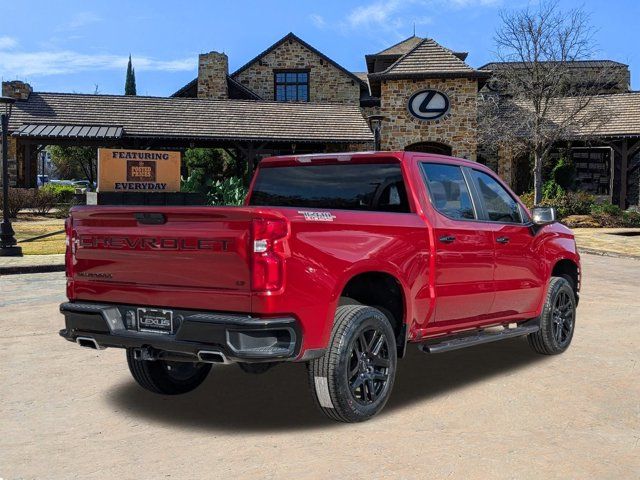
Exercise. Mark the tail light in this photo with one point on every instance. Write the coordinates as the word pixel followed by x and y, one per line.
pixel 70 246
pixel 269 251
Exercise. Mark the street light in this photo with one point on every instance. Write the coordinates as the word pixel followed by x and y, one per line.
pixel 8 247
pixel 375 122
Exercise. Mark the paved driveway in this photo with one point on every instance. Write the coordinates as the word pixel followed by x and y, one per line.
pixel 494 411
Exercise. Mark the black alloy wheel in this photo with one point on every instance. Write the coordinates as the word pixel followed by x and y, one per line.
pixel 368 366
pixel 563 315
pixel 558 319
pixel 353 380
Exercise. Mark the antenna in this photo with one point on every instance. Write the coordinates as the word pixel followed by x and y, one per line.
pixel 414 29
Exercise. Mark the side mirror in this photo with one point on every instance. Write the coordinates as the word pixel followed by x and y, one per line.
pixel 542 216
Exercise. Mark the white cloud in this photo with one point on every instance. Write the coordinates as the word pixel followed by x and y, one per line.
pixel 476 3
pixel 7 43
pixel 317 20
pixel 379 12
pixel 22 64
pixel 390 15
pixel 82 19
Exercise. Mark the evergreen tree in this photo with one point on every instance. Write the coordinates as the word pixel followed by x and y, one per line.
pixel 130 83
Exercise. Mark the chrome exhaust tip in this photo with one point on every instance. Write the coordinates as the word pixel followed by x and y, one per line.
pixel 213 356
pixel 89 342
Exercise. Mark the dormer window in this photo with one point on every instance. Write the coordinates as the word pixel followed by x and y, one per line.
pixel 291 85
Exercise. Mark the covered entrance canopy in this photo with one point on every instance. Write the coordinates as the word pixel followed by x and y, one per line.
pixel 606 150
pixel 247 129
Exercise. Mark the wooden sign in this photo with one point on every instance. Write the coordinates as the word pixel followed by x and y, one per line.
pixel 138 170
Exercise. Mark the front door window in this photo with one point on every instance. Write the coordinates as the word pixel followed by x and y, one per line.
pixel 499 205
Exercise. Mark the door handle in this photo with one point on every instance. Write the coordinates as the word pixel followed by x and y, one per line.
pixel 502 239
pixel 447 239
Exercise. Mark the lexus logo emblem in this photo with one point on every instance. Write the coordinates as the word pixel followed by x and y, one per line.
pixel 428 104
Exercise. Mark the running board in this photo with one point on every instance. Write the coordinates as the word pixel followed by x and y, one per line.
pixel 446 345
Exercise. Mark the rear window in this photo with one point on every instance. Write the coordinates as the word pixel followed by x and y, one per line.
pixel 373 187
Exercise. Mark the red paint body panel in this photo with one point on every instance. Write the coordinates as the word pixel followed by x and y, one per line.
pixel 200 258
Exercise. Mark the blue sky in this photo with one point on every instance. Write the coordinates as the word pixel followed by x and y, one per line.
pixel 72 46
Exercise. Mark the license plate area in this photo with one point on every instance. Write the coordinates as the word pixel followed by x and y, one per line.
pixel 155 320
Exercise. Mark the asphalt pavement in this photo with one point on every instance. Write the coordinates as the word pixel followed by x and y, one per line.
pixel 492 411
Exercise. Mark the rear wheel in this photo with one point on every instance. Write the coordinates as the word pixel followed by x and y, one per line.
pixel 558 319
pixel 168 378
pixel 353 380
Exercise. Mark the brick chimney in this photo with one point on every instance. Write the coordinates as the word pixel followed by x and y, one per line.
pixel 213 68
pixel 16 89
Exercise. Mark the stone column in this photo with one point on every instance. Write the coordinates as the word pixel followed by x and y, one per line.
pixel 213 68
pixel 20 91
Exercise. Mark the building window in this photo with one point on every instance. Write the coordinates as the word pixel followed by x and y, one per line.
pixel 292 86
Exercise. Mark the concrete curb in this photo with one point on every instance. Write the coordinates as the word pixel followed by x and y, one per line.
pixel 17 270
pixel 604 253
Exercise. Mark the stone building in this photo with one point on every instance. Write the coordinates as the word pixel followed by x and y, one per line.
pixel 291 98
pixel 293 70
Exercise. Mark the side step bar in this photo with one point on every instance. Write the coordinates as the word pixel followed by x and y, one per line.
pixel 446 345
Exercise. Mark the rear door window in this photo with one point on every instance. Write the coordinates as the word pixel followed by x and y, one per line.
pixel 448 190
pixel 373 187
pixel 498 203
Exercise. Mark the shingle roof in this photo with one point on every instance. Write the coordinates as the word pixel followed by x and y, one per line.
pixel 574 64
pixel 430 58
pixel 621 112
pixel 191 118
pixel 364 76
pixel 624 118
pixel 402 47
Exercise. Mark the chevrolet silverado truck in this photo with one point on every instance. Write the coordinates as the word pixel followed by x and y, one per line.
pixel 335 260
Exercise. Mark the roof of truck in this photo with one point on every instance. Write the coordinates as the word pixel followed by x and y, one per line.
pixel 399 155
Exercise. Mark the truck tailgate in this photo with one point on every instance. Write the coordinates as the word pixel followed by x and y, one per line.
pixel 140 254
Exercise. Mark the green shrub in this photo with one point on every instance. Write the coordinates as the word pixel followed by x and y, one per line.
pixel 204 166
pixel 606 209
pixel 565 203
pixel 564 173
pixel 230 191
pixel 608 215
pixel 43 201
pixel 62 209
pixel 528 199
pixel 62 193
pixel 631 218
pixel 550 190
pixel 19 199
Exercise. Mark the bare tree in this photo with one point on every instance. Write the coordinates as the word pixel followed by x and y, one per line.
pixel 537 96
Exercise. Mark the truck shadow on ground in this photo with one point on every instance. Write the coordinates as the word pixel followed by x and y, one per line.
pixel 279 400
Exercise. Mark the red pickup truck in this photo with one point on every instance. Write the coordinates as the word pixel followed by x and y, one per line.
pixel 336 260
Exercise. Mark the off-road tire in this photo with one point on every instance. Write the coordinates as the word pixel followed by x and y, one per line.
pixel 546 340
pixel 156 376
pixel 329 375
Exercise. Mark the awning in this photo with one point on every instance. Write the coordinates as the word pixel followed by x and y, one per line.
pixel 69 131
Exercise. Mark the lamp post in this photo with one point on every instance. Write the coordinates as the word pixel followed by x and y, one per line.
pixel 375 122
pixel 8 247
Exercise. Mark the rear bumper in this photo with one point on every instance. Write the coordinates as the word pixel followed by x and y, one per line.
pixel 238 338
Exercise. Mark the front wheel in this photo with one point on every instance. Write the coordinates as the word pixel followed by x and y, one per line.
pixel 353 380
pixel 558 319
pixel 168 378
